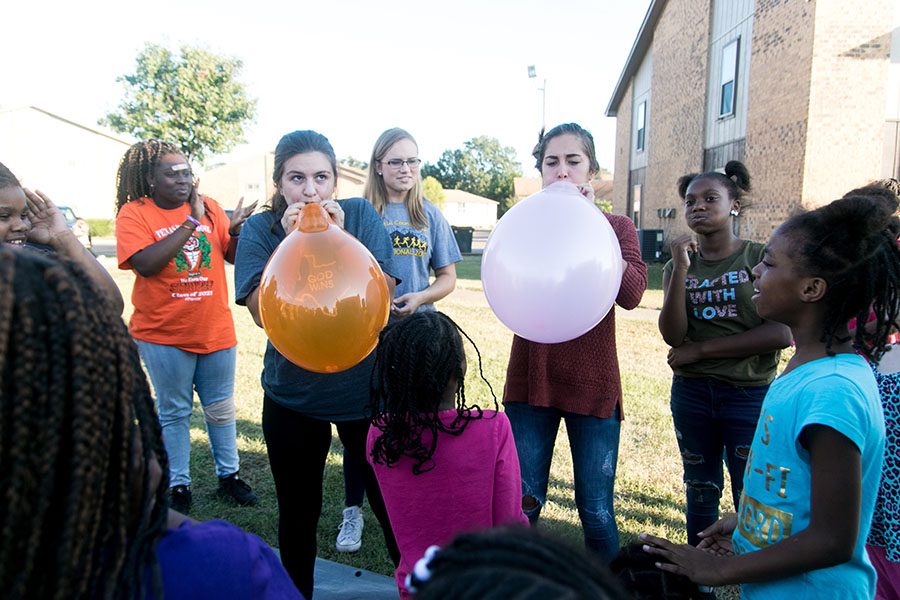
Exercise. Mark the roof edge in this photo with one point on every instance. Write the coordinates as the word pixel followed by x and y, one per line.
pixel 95 130
pixel 638 50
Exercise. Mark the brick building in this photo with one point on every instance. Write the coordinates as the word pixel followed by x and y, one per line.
pixel 805 92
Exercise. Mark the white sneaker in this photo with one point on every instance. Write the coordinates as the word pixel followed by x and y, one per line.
pixel 349 538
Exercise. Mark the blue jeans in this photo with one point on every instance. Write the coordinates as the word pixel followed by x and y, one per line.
pixel 175 375
pixel 712 419
pixel 595 450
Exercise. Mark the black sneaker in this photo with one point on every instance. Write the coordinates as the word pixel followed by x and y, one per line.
pixel 236 489
pixel 181 498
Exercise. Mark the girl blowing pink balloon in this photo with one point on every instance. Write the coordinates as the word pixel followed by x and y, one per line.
pixel 815 461
pixel 576 380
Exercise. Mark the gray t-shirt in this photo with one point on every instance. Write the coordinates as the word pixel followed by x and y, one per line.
pixel 418 251
pixel 340 396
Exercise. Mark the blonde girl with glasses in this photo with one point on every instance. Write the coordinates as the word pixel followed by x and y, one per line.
pixel 422 242
pixel 421 237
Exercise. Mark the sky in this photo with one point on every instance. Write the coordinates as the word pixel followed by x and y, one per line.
pixel 444 71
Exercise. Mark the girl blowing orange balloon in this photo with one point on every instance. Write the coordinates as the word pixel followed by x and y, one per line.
pixel 300 405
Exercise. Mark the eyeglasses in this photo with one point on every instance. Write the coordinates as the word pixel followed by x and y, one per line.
pixel 397 164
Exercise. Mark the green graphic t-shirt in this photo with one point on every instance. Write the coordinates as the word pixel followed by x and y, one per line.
pixel 717 295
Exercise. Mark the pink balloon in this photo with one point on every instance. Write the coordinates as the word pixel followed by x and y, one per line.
pixel 552 267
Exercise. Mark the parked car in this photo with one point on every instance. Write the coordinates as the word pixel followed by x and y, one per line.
pixel 78 226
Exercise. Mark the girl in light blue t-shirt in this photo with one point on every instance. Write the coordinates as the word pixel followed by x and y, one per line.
pixel 422 243
pixel 815 461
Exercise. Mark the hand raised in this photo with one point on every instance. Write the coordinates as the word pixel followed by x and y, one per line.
pixel 47 222
pixel 240 214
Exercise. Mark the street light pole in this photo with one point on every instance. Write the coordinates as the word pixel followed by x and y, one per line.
pixel 532 74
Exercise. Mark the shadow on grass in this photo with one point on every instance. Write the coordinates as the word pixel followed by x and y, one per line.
pixel 262 519
pixel 634 511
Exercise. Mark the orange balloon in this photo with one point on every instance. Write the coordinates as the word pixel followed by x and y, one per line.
pixel 323 298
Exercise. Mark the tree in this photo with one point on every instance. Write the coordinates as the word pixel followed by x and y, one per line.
pixel 482 167
pixel 354 163
pixel 434 191
pixel 192 99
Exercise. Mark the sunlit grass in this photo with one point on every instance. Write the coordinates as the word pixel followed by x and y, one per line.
pixel 649 492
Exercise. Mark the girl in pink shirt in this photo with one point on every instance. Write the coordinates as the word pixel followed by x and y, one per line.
pixel 443 467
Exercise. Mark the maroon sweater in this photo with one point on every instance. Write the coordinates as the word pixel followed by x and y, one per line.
pixel 580 376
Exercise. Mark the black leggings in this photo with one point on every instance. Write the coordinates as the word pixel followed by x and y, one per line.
pixel 298 446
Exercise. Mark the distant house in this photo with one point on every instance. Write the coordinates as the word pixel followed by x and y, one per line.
pixel 463 209
pixel 251 178
pixel 806 94
pixel 73 163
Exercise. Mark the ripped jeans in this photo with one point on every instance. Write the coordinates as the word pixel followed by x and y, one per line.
pixel 595 450
pixel 175 374
pixel 713 420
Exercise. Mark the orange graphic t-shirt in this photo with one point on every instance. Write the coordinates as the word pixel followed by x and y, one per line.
pixel 186 304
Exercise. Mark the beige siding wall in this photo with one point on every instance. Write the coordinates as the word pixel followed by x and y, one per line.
pixel 731 20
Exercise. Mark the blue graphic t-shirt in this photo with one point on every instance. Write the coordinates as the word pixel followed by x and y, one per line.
pixel 419 251
pixel 839 392
pixel 718 300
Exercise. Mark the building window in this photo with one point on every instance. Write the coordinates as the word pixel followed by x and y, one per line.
pixel 641 126
pixel 728 81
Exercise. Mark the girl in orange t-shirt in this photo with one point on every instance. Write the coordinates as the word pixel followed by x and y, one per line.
pixel 176 242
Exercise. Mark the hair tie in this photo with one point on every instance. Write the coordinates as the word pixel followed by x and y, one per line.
pixel 421 571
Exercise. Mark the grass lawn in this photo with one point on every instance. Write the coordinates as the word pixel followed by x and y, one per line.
pixel 649 493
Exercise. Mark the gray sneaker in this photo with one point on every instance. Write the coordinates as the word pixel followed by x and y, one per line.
pixel 349 538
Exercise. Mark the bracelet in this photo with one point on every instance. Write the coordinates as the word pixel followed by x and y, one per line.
pixel 194 221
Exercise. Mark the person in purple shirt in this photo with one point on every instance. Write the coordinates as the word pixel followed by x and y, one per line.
pixel 85 510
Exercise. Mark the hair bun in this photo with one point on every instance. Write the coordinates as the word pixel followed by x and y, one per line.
pixel 738 173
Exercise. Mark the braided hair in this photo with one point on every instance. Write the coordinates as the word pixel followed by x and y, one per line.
pixel 852 244
pixel 138 163
pixel 518 563
pixel 416 360
pixel 736 180
pixel 79 512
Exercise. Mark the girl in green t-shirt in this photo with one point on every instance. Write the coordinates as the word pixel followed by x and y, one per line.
pixel 723 353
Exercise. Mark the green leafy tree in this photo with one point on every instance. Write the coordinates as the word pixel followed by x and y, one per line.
pixel 482 166
pixel 192 99
pixel 434 191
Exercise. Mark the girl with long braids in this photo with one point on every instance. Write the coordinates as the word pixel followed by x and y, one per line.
pixel 30 219
pixel 176 242
pixel 85 510
pixel 813 472
pixel 443 466
pixel 299 406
